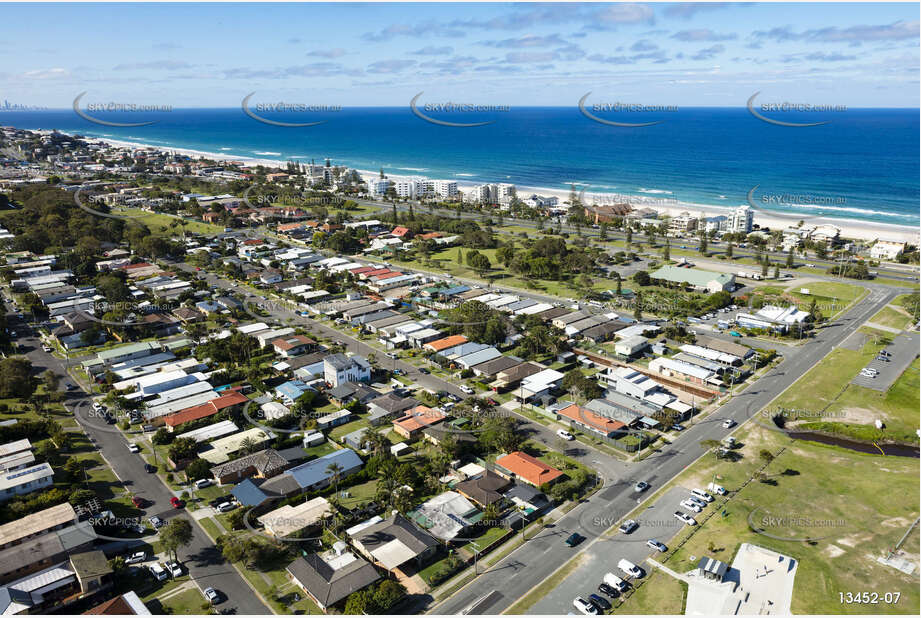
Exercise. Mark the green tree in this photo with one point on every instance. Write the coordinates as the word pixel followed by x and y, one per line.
pixel 15 378
pixel 335 470
pixel 667 251
pixel 198 469
pixel 729 250
pixel 790 257
pixel 177 533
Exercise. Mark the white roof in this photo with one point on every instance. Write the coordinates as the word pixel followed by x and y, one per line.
pixel 363 525
pixel 541 380
pixel 274 410
pixel 681 367
pixel 287 519
pixel 210 432
pixel 249 329
pixel 538 308
pixel 709 354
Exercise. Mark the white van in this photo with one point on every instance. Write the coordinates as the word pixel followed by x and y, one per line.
pixel 700 493
pixel 629 568
pixel 717 489
pixel 615 582
pixel 202 483
pixel 158 572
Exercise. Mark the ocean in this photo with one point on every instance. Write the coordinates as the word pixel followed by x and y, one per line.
pixel 862 165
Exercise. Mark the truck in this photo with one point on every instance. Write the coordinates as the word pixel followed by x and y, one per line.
pixel 615 582
pixel 717 489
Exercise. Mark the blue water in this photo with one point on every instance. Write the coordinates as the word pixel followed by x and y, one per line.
pixel 863 164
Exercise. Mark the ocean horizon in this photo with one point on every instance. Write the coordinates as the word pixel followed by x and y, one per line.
pixel 862 165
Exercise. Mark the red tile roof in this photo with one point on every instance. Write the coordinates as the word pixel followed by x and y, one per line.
pixel 528 468
pixel 443 344
pixel 419 418
pixel 587 417
pixel 206 409
pixel 400 231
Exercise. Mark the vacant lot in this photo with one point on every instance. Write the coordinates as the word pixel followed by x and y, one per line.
pixel 843 519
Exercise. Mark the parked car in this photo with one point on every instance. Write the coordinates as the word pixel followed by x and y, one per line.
pixel 615 582
pixel 628 526
pixel 698 501
pixel 574 539
pixel 149 468
pixel 599 601
pixel 134 448
pixel 225 507
pixel 174 568
pixel 608 590
pixel 176 502
pixel 156 522
pixel 565 434
pixel 700 493
pixel 46 347
pixel 729 423
pixel 136 557
pixel 717 489
pixel 656 545
pixel 158 572
pixel 641 487
pixel 202 483
pixel 138 501
pixel 629 568
pixel 466 389
pixel 213 596
pixel 424 371
pixel 585 607
pixel 685 518
pixel 735 334
pixel 691 506
pixel 678 427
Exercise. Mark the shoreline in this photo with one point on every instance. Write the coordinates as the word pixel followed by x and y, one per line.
pixel 657 200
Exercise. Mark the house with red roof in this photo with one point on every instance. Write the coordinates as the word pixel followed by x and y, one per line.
pixel 411 424
pixel 224 402
pixel 521 466
pixel 402 232
pixel 590 421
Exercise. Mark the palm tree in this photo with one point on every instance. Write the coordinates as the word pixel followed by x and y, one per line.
pixel 335 470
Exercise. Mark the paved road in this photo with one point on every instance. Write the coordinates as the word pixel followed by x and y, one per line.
pixel 513 576
pixel 203 561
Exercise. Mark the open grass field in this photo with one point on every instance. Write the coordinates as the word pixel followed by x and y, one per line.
pixel 847 520
pixel 166 225
pixel 853 409
pixel 895 315
pixel 660 594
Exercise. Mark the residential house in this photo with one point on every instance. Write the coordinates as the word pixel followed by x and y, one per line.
pixel 330 577
pixel 339 369
pixel 519 465
pixel 393 542
pixel 262 464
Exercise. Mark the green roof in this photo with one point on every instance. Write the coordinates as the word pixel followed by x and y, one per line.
pixel 131 348
pixel 694 276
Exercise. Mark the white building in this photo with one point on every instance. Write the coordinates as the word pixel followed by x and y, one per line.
pixel 378 187
pixel 886 249
pixel 741 219
pixel 25 481
pixel 339 369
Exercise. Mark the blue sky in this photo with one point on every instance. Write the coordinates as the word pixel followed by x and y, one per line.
pixel 692 54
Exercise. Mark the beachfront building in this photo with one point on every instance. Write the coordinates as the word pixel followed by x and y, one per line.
pixel 378 187
pixel 741 219
pixel 886 249
pixel 684 222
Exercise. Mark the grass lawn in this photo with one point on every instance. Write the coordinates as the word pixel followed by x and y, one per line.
pixel 337 432
pixel 186 602
pixel 159 224
pixel 358 494
pixel 893 316
pixel 853 410
pixel 319 450
pixel 819 483
pixel 489 536
pixel 211 527
pixel 659 594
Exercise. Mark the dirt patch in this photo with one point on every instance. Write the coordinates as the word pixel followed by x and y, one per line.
pixel 855 539
pixel 833 551
pixel 896 522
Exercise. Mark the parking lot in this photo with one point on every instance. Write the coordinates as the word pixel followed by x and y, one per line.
pixel 903 350
pixel 656 522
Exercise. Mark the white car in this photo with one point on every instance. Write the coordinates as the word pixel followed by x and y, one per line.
pixel 729 423
pixel 656 545
pixel 691 506
pixel 174 568
pixel 46 347
pixel 202 483
pixel 565 434
pixel 685 518
pixel 212 595
pixel 225 507
pixel 466 389
pixel 700 493
pixel 158 572
pixel 97 406
pixel 585 607
pixel 629 568
pixel 136 557
pixel 134 448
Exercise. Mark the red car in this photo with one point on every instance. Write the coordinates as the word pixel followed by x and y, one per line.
pixel 176 502
pixel 137 501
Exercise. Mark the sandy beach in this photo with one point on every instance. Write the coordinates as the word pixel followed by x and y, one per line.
pixel 656 200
